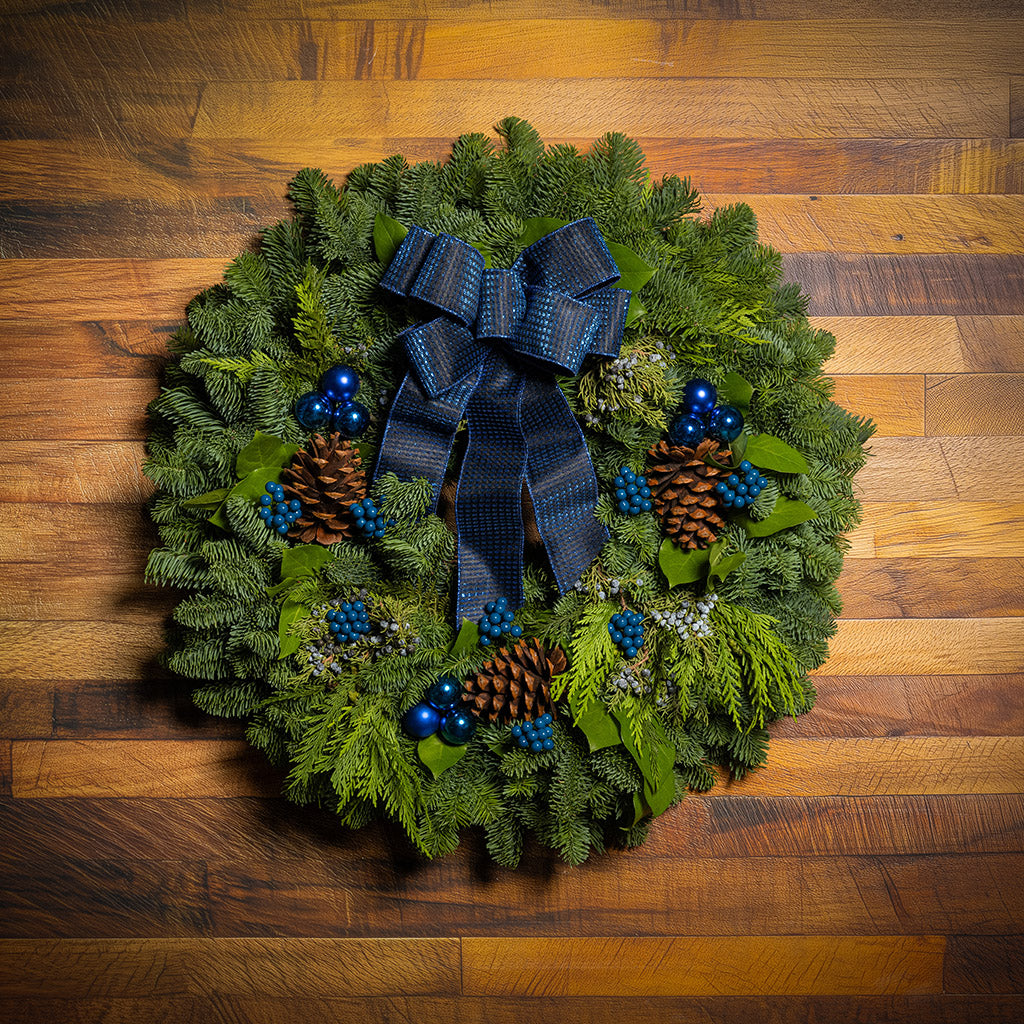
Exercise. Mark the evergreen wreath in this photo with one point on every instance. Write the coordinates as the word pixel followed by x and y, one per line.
pixel 724 473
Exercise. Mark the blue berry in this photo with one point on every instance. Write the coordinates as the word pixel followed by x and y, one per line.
pixel 266 499
pixel 266 514
pixel 620 492
pixel 733 480
pixel 282 529
pixel 746 466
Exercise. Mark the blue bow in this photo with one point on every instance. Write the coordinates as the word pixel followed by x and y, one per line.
pixel 489 357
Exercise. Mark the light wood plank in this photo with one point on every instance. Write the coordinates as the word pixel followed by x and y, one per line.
pixel 108 472
pixel 110 409
pixel 975 404
pixel 758 108
pixel 640 966
pixel 895 403
pixel 86 650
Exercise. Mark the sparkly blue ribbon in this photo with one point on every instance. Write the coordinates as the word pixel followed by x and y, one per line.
pixel 489 356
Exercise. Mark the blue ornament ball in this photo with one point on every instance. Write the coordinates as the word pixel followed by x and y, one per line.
pixel 687 430
pixel 340 383
pixel 421 721
pixel 458 727
pixel 313 411
pixel 444 693
pixel 350 419
pixel 725 423
pixel 699 396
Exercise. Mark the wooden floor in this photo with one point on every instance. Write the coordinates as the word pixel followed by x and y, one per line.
pixel 871 873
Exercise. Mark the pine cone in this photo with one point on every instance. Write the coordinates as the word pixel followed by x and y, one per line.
pixel 516 683
pixel 683 490
pixel 326 479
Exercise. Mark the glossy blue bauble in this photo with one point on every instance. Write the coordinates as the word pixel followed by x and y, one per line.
pixel 444 693
pixel 687 430
pixel 350 419
pixel 340 383
pixel 725 423
pixel 313 411
pixel 700 396
pixel 458 727
pixel 421 721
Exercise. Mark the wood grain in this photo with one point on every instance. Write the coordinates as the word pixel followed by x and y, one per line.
pixel 979 405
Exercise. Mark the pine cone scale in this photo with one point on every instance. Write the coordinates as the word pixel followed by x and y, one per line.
pixel 682 489
pixel 516 683
pixel 326 479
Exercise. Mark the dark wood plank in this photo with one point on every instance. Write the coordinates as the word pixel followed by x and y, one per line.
pixel 1017 107
pixel 985 963
pixel 114 410
pixel 98 350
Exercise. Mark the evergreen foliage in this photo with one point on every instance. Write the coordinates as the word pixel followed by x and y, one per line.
pixel 308 299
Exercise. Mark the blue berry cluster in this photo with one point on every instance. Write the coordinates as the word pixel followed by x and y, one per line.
pixel 535 736
pixel 632 493
pixel 627 632
pixel 497 620
pixel 349 621
pixel 738 491
pixel 277 513
pixel 368 519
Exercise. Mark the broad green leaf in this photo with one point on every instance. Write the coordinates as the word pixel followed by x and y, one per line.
pixel 724 566
pixel 769 452
pixel 738 448
pixel 439 756
pixel 252 486
pixel 656 758
pixel 680 566
pixel 210 500
pixel 633 272
pixel 636 310
pixel 599 727
pixel 387 237
pixel 291 612
pixel 304 560
pixel 536 228
pixel 786 513
pixel 263 450
pixel 659 798
pixel 737 392
pixel 468 638
pixel 640 809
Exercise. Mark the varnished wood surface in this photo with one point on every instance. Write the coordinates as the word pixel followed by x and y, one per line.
pixel 870 873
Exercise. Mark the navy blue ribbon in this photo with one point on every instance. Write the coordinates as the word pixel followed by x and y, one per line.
pixel 489 356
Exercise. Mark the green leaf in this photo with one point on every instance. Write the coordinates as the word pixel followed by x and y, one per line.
pixel 387 237
pixel 304 560
pixel 535 228
pixel 633 272
pixel 656 758
pixel 251 486
pixel 599 727
pixel 786 513
pixel 636 310
pixel 737 392
pixel 769 452
pixel 468 638
pixel 681 566
pixel 439 756
pixel 263 450
pixel 726 565
pixel 659 798
pixel 211 499
pixel 640 809
pixel 291 612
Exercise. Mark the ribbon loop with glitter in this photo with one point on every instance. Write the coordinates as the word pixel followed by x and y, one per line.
pixel 488 355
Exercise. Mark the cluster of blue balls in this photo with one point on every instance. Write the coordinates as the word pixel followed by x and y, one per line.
pixel 332 405
pixel 738 491
pixel 627 632
pixel 535 736
pixel 632 493
pixel 498 619
pixel 368 519
pixel 277 513
pixel 349 621
pixel 701 417
pixel 442 713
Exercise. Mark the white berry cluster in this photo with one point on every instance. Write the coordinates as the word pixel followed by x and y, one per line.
pixel 395 638
pixel 637 681
pixel 691 620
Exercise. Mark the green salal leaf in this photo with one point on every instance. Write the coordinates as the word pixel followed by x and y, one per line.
pixel 211 499
pixel 633 272
pixel 468 638
pixel 291 612
pixel 599 727
pixel 654 760
pixel 439 756
pixel 252 486
pixel 535 228
pixel 785 514
pixel 767 452
pixel 680 566
pixel 719 563
pixel 263 450
pixel 737 392
pixel 387 237
pixel 304 560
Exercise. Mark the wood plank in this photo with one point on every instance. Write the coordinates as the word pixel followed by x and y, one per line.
pixel 892 705
pixel 885 224
pixel 920 588
pixel 102 650
pixel 925 344
pixel 939 529
pixel 37 409
pixel 926 647
pixel 203 48
pixel 944 283
pixel 701 966
pixel 108 472
pixel 71 594
pixel 992 403
pixel 984 963
pixel 97 349
pixel 1016 106
pixel 758 108
pixel 894 402
pixel 165 967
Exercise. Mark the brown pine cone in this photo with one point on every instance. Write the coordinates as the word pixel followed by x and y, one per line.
pixel 516 683
pixel 326 479
pixel 683 491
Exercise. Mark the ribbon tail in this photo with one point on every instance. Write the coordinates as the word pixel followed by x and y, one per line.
pixel 562 482
pixel 488 505
pixel 420 431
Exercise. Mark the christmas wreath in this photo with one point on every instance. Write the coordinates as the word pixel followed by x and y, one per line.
pixel 506 492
